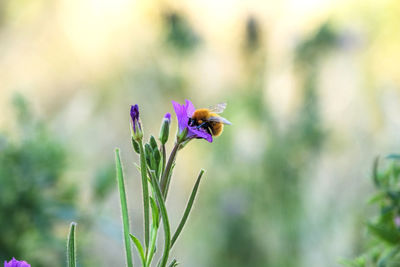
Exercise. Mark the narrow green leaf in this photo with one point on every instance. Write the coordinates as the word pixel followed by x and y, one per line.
pixel 153 143
pixel 164 216
pixel 157 159
pixel 384 261
pixel 375 173
pixel 389 235
pixel 139 248
pixel 173 263
pixel 71 246
pixel 124 208
pixel 152 247
pixel 149 156
pixel 146 208
pixel 154 210
pixel 188 208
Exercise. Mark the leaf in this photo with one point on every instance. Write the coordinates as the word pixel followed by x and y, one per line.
pixel 154 210
pixel 384 233
pixel 188 208
pixel 124 208
pixel 139 248
pixel 377 197
pixel 153 143
pixel 135 146
pixel 152 246
pixel 71 246
pixel 173 263
pixel 157 160
pixel 383 261
pixel 375 173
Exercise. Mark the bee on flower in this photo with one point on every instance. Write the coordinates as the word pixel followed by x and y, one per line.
pixel 199 123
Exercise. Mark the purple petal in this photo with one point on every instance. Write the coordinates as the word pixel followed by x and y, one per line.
pixel 135 112
pixel 189 108
pixel 16 263
pixel 135 116
pixel 168 116
pixel 181 115
pixel 198 133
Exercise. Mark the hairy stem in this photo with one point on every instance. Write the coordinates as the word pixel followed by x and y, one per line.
pixel 165 179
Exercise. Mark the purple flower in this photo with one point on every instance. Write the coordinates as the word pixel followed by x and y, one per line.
pixel 16 263
pixel 136 126
pixel 183 113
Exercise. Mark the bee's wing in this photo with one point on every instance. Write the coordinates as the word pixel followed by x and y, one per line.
pixel 219 119
pixel 218 108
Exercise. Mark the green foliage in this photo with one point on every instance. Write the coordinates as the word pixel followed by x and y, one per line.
pixel 34 195
pixel 179 34
pixel 384 230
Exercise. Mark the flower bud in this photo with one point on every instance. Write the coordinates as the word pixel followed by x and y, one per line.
pixel 136 128
pixel 164 130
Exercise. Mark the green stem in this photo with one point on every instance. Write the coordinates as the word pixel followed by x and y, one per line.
pixel 165 179
pixel 71 246
pixel 143 168
pixel 164 158
pixel 188 208
pixel 124 209
pixel 164 216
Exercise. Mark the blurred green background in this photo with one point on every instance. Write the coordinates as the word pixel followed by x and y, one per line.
pixel 313 91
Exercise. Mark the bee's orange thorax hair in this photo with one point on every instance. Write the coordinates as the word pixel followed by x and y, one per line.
pixel 203 114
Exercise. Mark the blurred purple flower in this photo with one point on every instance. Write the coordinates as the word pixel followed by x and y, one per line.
pixel 183 113
pixel 397 221
pixel 16 263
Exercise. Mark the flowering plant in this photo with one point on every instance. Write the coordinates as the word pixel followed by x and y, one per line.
pixel 156 172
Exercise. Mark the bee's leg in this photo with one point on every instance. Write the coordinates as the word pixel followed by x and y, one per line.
pixel 202 125
pixel 191 122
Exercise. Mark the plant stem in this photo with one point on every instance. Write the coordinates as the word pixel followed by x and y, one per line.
pixel 124 209
pixel 165 179
pixel 164 158
pixel 143 168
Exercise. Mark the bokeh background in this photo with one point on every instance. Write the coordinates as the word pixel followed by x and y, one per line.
pixel 313 91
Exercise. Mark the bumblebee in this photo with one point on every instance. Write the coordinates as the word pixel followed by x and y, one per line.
pixel 209 120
